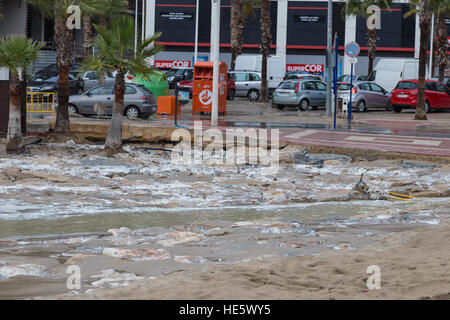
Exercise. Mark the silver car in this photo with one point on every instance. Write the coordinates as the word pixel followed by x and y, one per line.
pixel 90 79
pixel 300 93
pixel 367 95
pixel 248 83
pixel 139 101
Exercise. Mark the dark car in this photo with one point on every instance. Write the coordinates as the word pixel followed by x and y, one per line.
pixel 48 83
pixel 53 69
pixel 178 76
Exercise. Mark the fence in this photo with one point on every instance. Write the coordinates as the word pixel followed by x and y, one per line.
pixel 40 103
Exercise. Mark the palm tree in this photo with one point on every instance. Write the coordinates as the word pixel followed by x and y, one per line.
pixel 264 46
pixel 424 12
pixel 359 8
pixel 99 9
pixel 240 11
pixel 441 9
pixel 16 53
pixel 57 10
pixel 116 52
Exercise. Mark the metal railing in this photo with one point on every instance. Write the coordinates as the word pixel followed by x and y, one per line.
pixel 40 103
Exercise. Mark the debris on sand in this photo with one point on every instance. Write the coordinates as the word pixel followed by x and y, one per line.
pixel 179 237
pixel 137 254
pixel 111 278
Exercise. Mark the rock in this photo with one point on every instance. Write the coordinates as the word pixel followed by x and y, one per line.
pixel 15 174
pixel 111 278
pixel 408 164
pixel 273 196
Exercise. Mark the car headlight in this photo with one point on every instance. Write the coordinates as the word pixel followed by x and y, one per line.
pixel 47 88
pixel 170 78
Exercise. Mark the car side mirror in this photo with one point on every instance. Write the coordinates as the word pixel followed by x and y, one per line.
pixel 88 94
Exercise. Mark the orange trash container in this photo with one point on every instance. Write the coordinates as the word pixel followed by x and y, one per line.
pixel 166 105
pixel 203 84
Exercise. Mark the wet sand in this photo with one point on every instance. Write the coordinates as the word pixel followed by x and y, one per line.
pixel 414 265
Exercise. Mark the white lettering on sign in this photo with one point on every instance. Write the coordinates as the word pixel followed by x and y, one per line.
pixel 205 97
pixel 169 64
pixel 312 68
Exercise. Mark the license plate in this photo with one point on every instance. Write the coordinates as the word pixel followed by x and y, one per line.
pixel 403 96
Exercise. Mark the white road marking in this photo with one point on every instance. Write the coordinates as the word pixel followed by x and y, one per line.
pixel 301 134
pixel 396 140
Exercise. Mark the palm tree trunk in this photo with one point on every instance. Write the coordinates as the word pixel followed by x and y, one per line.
pixel 14 137
pixel 236 26
pixel 372 48
pixel 442 46
pixel 87 32
pixel 114 138
pixel 63 41
pixel 425 17
pixel 266 41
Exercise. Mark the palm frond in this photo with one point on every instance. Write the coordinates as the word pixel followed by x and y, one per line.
pixel 17 52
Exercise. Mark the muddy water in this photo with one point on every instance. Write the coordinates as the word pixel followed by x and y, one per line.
pixel 157 217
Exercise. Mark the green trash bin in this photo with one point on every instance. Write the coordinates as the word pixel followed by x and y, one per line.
pixel 157 83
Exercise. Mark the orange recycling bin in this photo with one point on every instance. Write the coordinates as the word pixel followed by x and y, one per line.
pixel 203 86
pixel 166 105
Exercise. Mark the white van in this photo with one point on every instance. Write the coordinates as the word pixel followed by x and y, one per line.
pixel 388 72
pixel 276 68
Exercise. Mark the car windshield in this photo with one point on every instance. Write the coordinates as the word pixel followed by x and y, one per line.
pixel 181 72
pixel 406 86
pixel 288 85
pixel 41 77
pixel 344 86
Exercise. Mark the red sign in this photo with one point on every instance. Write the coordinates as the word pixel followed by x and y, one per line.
pixel 169 64
pixel 310 68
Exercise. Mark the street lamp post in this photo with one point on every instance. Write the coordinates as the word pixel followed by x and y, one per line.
pixel 196 31
pixel 329 56
pixel 215 32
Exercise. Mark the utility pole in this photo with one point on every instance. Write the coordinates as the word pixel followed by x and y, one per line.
pixel 329 57
pixel 196 31
pixel 215 31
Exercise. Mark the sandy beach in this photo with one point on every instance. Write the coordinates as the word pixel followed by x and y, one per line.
pixel 139 225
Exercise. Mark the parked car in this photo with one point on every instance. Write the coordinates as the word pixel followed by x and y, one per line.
pixel 275 68
pixel 388 72
pixel 366 95
pixel 248 83
pixel 138 100
pixel 298 76
pixel 300 93
pixel 356 78
pixel 404 96
pixel 91 78
pixel 53 69
pixel 186 85
pixel 289 73
pixel 48 82
pixel 178 76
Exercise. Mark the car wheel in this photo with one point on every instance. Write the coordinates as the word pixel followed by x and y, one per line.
pixel 361 106
pixel 231 94
pixel 427 107
pixel 304 104
pixel 253 95
pixel 397 109
pixel 388 108
pixel 132 112
pixel 72 108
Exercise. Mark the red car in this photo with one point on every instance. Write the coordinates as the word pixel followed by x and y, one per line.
pixel 186 85
pixel 404 96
